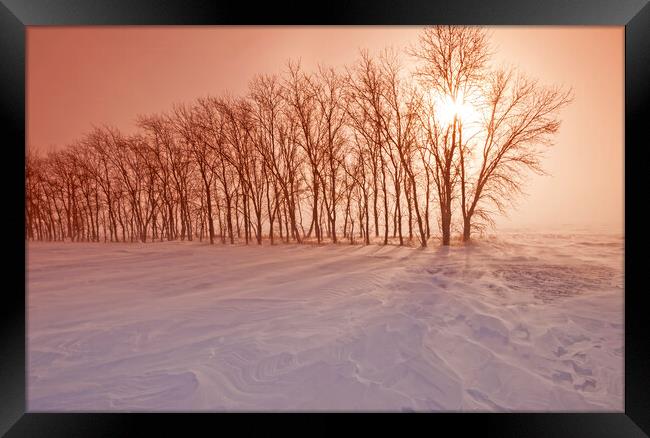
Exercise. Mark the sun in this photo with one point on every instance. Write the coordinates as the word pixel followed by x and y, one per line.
pixel 446 108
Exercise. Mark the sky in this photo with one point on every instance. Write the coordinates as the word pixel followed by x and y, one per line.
pixel 78 77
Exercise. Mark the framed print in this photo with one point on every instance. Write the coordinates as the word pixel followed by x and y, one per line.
pixel 406 209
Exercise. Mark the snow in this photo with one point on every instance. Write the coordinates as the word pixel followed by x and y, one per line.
pixel 525 322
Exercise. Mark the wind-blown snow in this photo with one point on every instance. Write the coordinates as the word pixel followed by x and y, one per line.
pixel 525 322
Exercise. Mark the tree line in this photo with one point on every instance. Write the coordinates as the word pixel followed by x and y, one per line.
pixel 373 152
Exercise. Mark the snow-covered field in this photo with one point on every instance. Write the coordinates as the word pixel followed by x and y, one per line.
pixel 525 322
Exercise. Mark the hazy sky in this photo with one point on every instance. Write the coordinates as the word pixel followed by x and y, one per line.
pixel 79 76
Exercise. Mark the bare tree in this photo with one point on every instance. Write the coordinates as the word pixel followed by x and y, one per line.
pixel 240 134
pixel 365 111
pixel 399 123
pixel 190 123
pixel 520 118
pixel 452 66
pixel 301 90
pixel 278 149
pixel 332 106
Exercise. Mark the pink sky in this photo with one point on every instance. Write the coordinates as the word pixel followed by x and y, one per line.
pixel 80 76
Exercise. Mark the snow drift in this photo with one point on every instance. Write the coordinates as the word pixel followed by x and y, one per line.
pixel 527 322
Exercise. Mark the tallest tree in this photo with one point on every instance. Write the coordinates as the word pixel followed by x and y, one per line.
pixel 451 68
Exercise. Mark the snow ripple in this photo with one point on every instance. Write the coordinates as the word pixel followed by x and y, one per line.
pixel 530 322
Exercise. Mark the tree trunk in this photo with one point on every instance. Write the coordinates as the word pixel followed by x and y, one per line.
pixel 467 229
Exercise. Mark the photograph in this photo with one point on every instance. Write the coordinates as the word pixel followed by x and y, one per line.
pixel 325 218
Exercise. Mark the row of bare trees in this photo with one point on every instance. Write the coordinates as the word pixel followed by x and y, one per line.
pixel 374 152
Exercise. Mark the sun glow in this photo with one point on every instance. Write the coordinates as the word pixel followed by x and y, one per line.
pixel 446 108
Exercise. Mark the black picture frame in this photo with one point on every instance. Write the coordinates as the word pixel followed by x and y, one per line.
pixel 15 15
